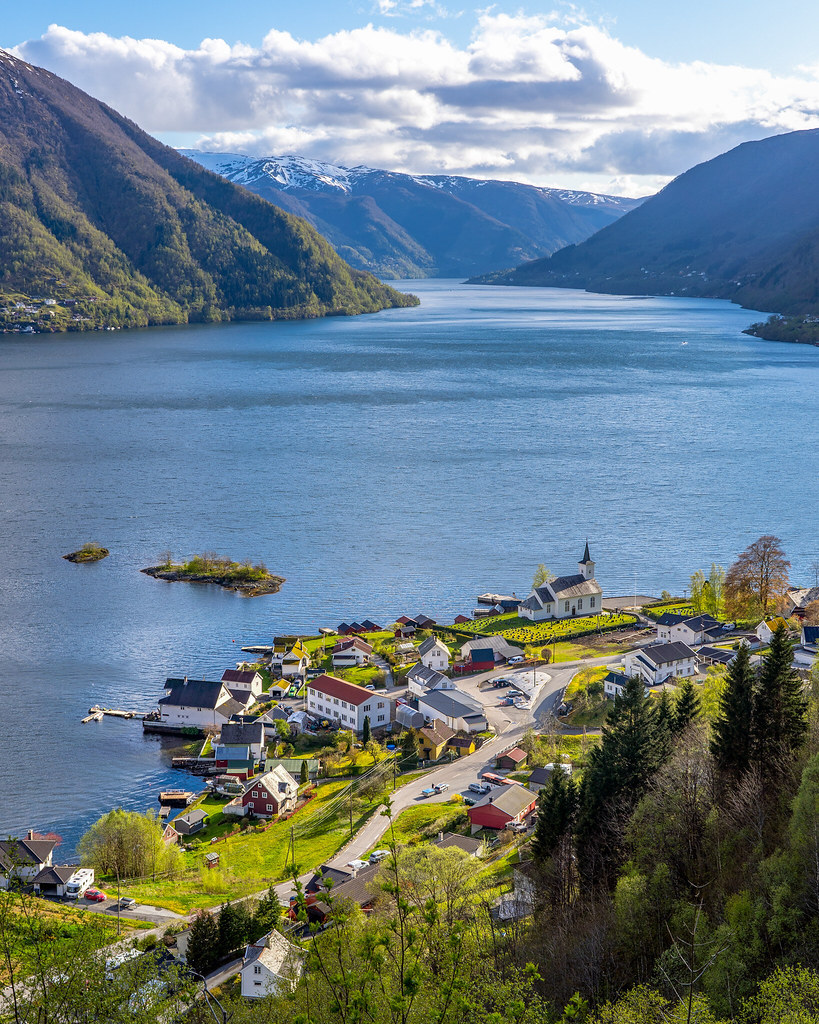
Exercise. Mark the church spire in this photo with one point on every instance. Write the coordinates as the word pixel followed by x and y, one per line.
pixel 586 555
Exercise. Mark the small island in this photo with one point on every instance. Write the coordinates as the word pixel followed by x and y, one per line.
pixel 243 577
pixel 88 553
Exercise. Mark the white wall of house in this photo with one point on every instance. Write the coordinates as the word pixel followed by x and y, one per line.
pixel 348 715
pixel 437 658
pixel 352 656
pixel 634 666
pixel 291 669
pixel 566 608
pixel 181 716
pixel 259 981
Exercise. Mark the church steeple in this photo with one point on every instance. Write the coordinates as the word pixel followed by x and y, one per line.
pixel 586 565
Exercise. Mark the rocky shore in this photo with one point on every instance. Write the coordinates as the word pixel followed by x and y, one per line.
pixel 270 584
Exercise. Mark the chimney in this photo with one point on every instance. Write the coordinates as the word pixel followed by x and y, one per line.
pixel 30 834
pixel 440 837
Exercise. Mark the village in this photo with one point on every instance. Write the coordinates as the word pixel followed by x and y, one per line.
pixel 455 728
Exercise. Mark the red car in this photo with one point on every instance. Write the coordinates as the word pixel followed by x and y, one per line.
pixel 95 895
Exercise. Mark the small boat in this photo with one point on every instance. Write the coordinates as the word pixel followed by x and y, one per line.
pixel 683 343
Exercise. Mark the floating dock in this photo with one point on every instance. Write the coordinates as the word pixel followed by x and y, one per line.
pixel 97 713
pixel 177 797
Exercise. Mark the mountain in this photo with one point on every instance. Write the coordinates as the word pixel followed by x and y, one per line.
pixel 744 226
pixel 402 225
pixel 120 230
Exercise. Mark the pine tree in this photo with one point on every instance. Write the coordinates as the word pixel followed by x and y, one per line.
pixel 304 774
pixel 666 720
pixel 556 814
pixel 687 707
pixel 234 927
pixel 267 916
pixel 203 943
pixel 366 733
pixel 731 733
pixel 780 709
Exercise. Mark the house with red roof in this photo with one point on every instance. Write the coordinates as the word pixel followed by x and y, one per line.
pixel 348 704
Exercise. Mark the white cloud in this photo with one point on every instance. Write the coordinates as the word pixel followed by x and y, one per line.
pixel 543 99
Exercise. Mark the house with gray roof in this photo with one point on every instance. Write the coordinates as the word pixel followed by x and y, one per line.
pixel 434 654
pixel 656 664
pixel 270 966
pixel 500 647
pixel 457 709
pixel 421 678
pixel 24 858
pixel 566 596
pixel 197 703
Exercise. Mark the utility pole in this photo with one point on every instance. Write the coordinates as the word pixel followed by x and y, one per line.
pixel 351 809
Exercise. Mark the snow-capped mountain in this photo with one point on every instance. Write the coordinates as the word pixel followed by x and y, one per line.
pixel 409 225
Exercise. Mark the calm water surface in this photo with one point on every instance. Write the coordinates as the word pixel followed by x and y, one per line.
pixel 401 462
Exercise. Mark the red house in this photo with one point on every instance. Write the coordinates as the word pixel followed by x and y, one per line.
pixel 271 794
pixel 512 759
pixel 501 806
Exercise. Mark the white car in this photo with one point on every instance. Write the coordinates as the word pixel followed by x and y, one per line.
pixel 523 704
pixel 518 658
pixel 378 855
pixel 357 865
pixel 479 787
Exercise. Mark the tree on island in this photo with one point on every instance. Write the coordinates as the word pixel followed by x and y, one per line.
pixel 542 575
pixel 757 577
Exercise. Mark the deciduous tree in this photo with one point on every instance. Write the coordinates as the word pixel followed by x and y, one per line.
pixel 542 575
pixel 757 577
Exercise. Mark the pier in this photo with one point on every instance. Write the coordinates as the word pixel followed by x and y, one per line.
pixel 97 713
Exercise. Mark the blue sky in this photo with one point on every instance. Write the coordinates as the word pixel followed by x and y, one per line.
pixel 614 96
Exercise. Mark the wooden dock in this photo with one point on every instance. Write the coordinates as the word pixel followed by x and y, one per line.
pixel 177 797
pixel 97 713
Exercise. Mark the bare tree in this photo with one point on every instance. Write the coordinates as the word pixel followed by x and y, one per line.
pixel 812 614
pixel 757 577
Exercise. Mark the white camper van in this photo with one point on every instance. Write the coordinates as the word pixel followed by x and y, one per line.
pixel 78 883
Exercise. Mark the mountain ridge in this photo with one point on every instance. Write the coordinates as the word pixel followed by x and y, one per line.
pixel 405 225
pixel 121 230
pixel 743 226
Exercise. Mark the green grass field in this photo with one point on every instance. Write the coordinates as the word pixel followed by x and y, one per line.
pixel 522 631
pixel 424 822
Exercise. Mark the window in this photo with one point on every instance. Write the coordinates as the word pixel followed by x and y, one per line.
pixel 591 602
pixel 255 794
pixel 380 718
pixel 566 606
pixel 366 707
pixel 381 703
pixel 335 700
pixel 257 969
pixel 257 982
pixel 579 603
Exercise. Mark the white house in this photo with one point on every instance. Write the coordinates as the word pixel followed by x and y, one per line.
pixel 243 679
pixel 566 596
pixel 692 629
pixel 24 858
pixel 352 651
pixel 421 679
pixel 798 598
pixel 196 703
pixel 458 710
pixel 271 965
pixel 347 704
pixel 614 684
pixel 766 629
pixel 296 662
pixel 434 653
pixel 662 661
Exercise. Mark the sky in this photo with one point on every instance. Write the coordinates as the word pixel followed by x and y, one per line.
pixel 613 96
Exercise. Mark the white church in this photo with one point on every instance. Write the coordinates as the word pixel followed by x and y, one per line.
pixel 566 596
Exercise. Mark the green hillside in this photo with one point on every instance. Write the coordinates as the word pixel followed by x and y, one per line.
pixel 118 230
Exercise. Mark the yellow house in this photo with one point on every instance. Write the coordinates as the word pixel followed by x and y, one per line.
pixel 461 745
pixel 433 739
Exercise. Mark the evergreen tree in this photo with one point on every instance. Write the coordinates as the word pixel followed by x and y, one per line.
pixel 234 927
pixel 556 814
pixel 203 943
pixel 366 733
pixel 687 707
pixel 267 916
pixel 731 733
pixel 666 719
pixel 780 708
pixel 304 774
pixel 617 776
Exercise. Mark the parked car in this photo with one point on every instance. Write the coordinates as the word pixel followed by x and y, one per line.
pixel 95 895
pixel 523 704
pixel 127 903
pixel 516 826
pixel 441 787
pixel 429 791
pixel 516 660
pixel 470 801
pixel 515 693
pixel 501 682
pixel 357 865
pixel 479 787
pixel 378 855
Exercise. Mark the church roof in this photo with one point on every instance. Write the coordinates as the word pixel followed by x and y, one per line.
pixel 574 586
pixel 586 556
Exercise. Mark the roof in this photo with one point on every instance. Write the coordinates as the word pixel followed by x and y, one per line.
pixel 426 676
pixel 618 678
pixel 465 843
pixel 235 675
pixel 275 953
pixel 352 642
pixel 333 687
pixel 775 623
pixel 510 799
pixel 244 697
pixel 670 619
pixel 451 703
pixel 232 707
pixel 717 654
pixel 540 776
pixel 461 741
pixel 700 622
pixel 811 634
pixel 500 645
pixel 196 693
pixel 480 655
pixel 327 874
pixel 372 627
pixel 437 733
pixel 586 556
pixel 241 733
pixel 803 596
pixel 275 780
pixel 423 620
pixel 431 643
pixel 515 754
pixel 191 817
pixel 462 618
pixel 575 585
pixel 59 874
pixel 25 851
pixel 664 654
pixel 357 888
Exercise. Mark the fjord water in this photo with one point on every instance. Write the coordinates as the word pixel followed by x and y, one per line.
pixel 388 464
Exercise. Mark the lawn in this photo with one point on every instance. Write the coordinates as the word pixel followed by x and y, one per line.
pixel 251 860
pixel 523 631
pixel 418 824
pixel 577 651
